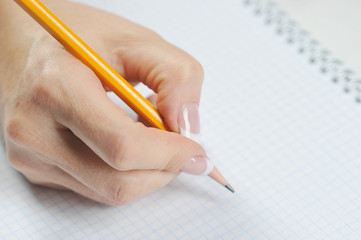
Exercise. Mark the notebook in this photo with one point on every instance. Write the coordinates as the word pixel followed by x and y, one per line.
pixel 280 117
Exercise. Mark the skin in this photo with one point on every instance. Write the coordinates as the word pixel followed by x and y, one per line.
pixel 60 128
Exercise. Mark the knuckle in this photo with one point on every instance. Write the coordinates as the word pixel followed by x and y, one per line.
pixel 120 192
pixel 194 70
pixel 176 161
pixel 42 91
pixel 197 68
pixel 17 132
pixel 120 151
pixel 188 71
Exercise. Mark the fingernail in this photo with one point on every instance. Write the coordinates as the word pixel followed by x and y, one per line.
pixel 188 120
pixel 189 126
pixel 198 166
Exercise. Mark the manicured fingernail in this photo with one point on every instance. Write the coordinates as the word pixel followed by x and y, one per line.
pixel 189 126
pixel 188 120
pixel 198 166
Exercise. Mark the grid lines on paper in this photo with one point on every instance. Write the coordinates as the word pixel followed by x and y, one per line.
pixel 283 134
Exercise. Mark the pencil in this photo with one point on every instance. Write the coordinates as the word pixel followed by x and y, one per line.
pixel 109 77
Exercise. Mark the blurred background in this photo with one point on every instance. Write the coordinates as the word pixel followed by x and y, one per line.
pixel 335 23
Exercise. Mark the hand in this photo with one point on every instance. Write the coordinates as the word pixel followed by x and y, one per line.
pixel 60 128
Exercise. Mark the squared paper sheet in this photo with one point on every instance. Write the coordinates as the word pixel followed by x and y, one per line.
pixel 286 137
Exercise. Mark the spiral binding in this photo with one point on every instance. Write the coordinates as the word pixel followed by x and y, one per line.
pixel 284 26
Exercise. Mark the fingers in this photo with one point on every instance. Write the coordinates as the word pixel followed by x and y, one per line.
pixel 173 74
pixel 109 132
pixel 119 187
pixel 35 160
pixel 74 166
pixel 80 131
pixel 40 173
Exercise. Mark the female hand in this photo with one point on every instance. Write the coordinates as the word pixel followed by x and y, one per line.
pixel 61 129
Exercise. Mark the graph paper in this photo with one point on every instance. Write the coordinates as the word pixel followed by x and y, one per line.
pixel 282 132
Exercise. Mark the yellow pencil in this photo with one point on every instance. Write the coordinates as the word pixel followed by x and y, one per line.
pixel 104 71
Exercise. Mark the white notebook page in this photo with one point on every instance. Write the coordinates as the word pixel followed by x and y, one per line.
pixel 285 136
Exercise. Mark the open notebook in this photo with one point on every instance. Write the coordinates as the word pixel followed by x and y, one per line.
pixel 280 118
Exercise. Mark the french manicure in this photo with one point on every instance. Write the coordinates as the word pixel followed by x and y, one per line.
pixel 188 120
pixel 189 126
pixel 198 165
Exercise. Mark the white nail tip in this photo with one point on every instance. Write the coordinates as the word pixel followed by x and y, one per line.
pixel 188 134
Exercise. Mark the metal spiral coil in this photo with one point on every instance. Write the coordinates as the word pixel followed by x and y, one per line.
pixel 296 36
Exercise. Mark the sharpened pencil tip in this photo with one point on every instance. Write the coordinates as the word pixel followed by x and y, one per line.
pixel 229 187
